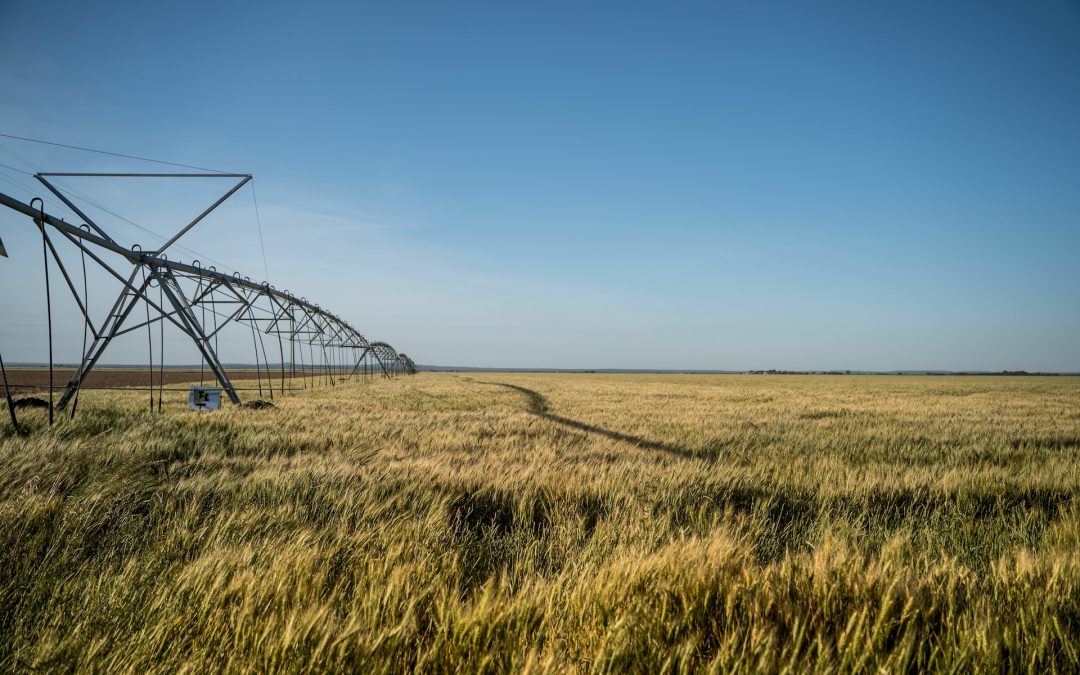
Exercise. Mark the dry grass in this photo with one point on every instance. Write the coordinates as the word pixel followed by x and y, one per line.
pixel 497 522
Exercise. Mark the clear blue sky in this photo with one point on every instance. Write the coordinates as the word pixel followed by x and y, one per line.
pixel 860 185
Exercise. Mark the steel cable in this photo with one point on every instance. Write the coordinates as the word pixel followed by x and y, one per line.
pixel 161 346
pixel 48 296
pixel 149 343
pixel 86 326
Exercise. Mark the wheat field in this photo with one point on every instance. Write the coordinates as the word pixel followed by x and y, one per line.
pixel 495 522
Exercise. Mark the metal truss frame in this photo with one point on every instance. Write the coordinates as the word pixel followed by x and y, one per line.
pixel 188 292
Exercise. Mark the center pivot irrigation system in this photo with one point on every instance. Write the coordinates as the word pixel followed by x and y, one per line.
pixel 199 301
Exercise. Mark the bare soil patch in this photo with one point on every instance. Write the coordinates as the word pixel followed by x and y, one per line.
pixel 32 379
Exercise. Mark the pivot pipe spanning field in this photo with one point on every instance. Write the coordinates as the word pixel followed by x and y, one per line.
pixel 188 292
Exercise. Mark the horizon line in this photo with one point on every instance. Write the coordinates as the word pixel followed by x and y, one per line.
pixel 545 369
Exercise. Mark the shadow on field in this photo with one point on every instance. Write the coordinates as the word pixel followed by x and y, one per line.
pixel 538 405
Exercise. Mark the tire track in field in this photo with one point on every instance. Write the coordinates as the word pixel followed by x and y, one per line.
pixel 538 405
